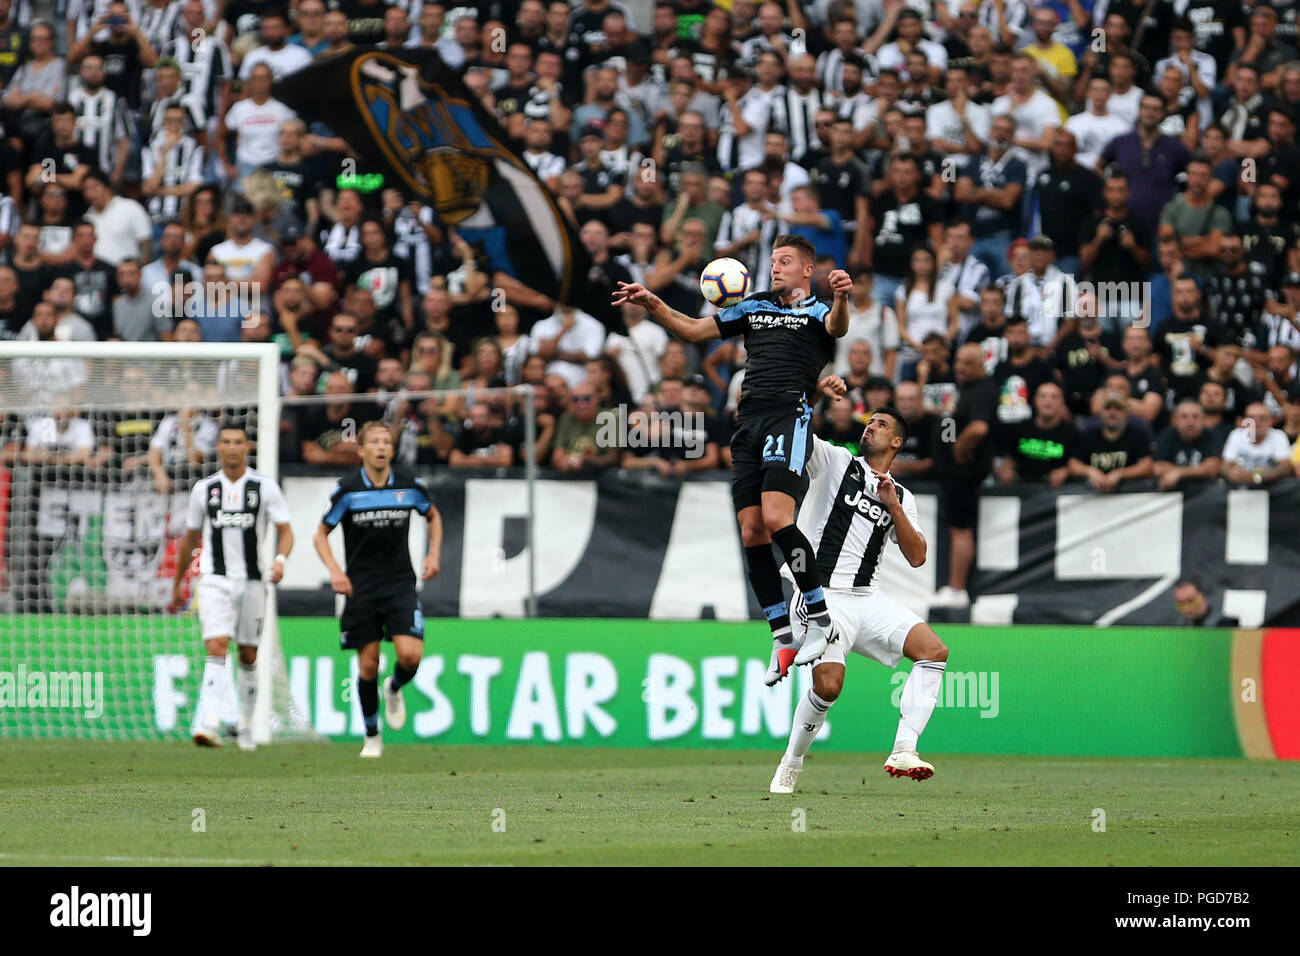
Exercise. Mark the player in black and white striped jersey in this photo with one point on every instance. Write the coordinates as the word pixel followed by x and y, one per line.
pixel 231 510
pixel 852 509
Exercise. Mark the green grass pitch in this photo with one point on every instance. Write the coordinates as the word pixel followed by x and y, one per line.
pixel 87 803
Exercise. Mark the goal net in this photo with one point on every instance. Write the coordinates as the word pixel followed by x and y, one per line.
pixel 100 444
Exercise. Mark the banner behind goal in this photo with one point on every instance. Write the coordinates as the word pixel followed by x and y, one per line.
pixel 100 444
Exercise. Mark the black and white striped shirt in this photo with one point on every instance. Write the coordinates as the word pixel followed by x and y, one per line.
pixel 844 520
pixel 341 243
pixel 205 69
pixel 801 120
pixel 182 165
pixel 10 219
pixel 85 12
pixel 103 121
pixel 736 225
pixel 411 242
pixel 160 25
pixel 234 516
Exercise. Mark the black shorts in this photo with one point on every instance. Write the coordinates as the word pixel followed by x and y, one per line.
pixel 769 452
pixel 961 499
pixel 370 616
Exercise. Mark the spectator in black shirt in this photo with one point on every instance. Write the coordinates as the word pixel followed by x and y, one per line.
pixel 95 280
pixel 963 457
pixel 1113 452
pixel 916 458
pixel 1083 359
pixel 1185 450
pixel 1115 245
pixel 1237 293
pixel 901 218
pixel 842 183
pixel 1067 194
pixel 342 354
pixel 1219 422
pixel 1223 369
pixel 483 442
pixel 1019 376
pixel 329 432
pixel 1146 378
pixel 1183 342
pixel 1039 449
pixel 1268 237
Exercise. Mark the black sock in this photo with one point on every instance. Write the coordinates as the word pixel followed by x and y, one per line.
pixel 368 694
pixel 802 562
pixel 765 579
pixel 402 676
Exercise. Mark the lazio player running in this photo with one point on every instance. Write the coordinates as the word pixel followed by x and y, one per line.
pixel 374 505
pixel 789 337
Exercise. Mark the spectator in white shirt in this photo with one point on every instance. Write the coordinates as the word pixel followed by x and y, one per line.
pixel 255 121
pixel 1036 114
pixel 60 439
pixel 281 56
pixel 567 340
pixel 1096 126
pixel 1256 453
pixel 122 227
pixel 957 124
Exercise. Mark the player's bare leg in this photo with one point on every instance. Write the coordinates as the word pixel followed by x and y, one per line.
pixel 809 716
pixel 920 694
pixel 409 651
pixel 212 691
pixel 246 694
pixel 765 579
pixel 368 695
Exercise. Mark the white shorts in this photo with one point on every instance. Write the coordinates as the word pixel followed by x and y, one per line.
pixel 231 607
pixel 873 625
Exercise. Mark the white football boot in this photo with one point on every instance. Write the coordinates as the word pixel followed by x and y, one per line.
pixel 784 779
pixel 373 747
pixel 245 739
pixel 815 640
pixel 906 763
pixel 394 706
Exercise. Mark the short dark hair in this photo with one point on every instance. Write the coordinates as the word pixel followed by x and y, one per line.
pixel 233 424
pixel 805 247
pixel 900 423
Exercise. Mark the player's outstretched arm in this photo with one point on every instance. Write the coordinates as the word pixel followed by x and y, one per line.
pixel 339 581
pixel 837 322
pixel 683 326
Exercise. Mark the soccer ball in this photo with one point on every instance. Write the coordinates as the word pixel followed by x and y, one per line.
pixel 724 282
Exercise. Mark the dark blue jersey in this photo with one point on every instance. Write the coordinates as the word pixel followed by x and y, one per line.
pixel 787 346
pixel 376 522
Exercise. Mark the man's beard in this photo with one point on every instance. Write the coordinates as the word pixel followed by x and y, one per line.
pixel 852 89
pixel 1015 351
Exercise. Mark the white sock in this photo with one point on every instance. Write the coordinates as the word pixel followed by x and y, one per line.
pixel 920 694
pixel 229 705
pixel 246 692
pixel 809 716
pixel 212 690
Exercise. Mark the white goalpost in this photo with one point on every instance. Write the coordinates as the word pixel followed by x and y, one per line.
pixel 100 444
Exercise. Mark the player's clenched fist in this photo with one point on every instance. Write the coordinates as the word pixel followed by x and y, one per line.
pixel 840 281
pixel 341 583
pixel 431 567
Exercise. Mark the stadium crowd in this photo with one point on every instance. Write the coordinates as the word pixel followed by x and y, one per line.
pixel 1073 228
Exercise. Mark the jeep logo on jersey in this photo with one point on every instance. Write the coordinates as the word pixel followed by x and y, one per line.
pixel 869 509
pixel 234 519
